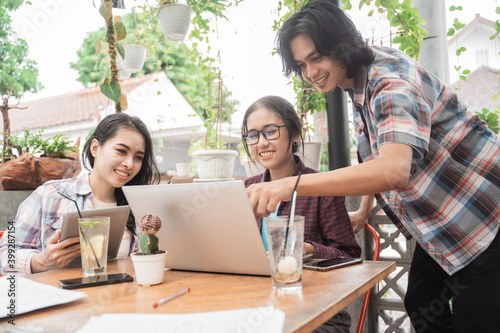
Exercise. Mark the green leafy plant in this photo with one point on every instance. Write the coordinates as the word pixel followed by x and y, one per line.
pixel 308 100
pixel 401 16
pixel 32 142
pixel 491 118
pixel 18 73
pixel 115 31
pixel 57 146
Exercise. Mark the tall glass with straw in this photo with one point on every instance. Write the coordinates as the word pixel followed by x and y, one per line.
pixel 285 235
pixel 94 235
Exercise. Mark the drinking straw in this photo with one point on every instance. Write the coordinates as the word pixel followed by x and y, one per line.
pixel 81 230
pixel 292 212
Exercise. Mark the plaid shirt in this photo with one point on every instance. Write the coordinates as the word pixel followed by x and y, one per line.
pixel 40 216
pixel 451 202
pixel 327 225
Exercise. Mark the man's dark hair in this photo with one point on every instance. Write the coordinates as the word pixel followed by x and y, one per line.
pixel 333 34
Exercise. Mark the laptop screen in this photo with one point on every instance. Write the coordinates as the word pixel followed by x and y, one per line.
pixel 206 227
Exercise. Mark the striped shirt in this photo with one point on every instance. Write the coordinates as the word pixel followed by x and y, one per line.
pixel 451 202
pixel 327 225
pixel 40 216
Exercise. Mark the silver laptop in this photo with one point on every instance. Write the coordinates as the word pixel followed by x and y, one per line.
pixel 118 221
pixel 206 227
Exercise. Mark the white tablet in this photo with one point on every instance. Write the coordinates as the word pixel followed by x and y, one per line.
pixel 118 220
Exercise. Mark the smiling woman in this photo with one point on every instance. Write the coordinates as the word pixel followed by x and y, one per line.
pixel 272 132
pixel 119 152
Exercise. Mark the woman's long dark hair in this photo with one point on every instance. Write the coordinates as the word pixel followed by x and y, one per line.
pixel 285 111
pixel 333 34
pixel 107 129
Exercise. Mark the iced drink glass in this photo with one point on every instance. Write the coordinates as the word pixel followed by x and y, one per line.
pixel 94 234
pixel 286 261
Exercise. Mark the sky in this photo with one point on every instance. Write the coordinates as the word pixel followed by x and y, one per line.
pixel 55 29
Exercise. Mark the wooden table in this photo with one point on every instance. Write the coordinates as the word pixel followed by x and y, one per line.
pixel 323 295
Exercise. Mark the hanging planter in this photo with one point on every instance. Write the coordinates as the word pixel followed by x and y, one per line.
pixel 135 56
pixel 174 20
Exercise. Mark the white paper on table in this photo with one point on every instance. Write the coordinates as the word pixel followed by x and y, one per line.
pixel 261 319
pixel 30 295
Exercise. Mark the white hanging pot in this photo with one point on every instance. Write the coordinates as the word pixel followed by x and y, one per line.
pixel 123 75
pixel 149 268
pixel 215 164
pixel 312 154
pixel 174 20
pixel 135 56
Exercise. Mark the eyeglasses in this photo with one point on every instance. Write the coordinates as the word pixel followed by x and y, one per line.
pixel 271 132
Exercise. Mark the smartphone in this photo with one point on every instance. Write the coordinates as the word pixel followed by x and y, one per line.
pixel 97 280
pixel 306 257
pixel 329 264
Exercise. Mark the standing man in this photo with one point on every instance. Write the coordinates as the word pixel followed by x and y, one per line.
pixel 432 164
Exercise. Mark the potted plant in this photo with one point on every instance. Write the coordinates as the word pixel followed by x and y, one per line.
pixel 252 167
pixel 215 162
pixel 134 47
pixel 183 168
pixel 174 19
pixel 149 263
pixel 30 161
pixel 308 100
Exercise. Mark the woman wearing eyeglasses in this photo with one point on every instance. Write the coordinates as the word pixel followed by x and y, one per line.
pixel 271 133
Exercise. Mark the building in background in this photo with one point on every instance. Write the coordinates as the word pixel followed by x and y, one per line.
pixel 170 118
pixel 482 58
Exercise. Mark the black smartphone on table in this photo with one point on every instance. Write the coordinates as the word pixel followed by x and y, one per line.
pixel 96 280
pixel 329 264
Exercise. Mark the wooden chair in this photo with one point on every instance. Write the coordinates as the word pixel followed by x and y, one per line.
pixel 364 308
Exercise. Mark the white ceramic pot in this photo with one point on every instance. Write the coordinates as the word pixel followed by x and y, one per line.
pixel 174 20
pixel 312 154
pixel 149 269
pixel 123 75
pixel 135 56
pixel 252 168
pixel 215 164
pixel 182 168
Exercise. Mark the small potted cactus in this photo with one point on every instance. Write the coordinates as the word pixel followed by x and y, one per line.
pixel 149 263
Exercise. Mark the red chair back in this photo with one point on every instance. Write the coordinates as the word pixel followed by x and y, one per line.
pixel 1 234
pixel 364 308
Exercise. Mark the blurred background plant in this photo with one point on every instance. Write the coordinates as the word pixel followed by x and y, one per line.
pixel 32 142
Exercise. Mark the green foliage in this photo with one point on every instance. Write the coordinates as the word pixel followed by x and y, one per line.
pixel 112 90
pixel 308 99
pixel 57 145
pixel 456 27
pixel 148 243
pixel 496 25
pixel 491 118
pixel 17 72
pixel 32 142
pixel 324 165
pixel 175 59
pixel 403 17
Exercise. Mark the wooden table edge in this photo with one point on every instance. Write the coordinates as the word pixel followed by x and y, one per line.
pixel 310 326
